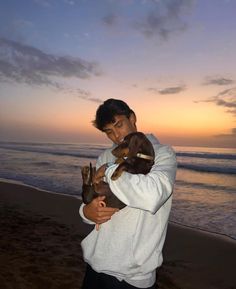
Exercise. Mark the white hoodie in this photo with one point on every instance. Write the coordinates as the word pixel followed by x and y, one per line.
pixel 129 246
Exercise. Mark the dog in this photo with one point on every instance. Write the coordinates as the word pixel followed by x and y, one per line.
pixel 91 190
pixel 134 155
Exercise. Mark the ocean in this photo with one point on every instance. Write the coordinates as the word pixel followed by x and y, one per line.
pixel 204 193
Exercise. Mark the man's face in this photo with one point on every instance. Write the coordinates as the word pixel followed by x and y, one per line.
pixel 120 128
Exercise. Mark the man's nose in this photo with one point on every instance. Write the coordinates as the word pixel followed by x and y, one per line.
pixel 117 134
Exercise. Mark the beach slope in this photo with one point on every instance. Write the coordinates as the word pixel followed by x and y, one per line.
pixel 40 246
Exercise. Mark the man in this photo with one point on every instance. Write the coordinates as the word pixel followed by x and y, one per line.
pixel 127 249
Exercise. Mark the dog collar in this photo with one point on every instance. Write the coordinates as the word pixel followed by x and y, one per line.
pixel 143 156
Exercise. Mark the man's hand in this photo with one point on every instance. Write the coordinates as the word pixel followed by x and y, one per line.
pixel 97 213
pixel 99 175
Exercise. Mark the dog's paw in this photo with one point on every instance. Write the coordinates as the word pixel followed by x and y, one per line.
pixel 85 170
pixel 85 174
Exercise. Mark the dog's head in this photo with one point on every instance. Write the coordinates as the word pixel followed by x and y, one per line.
pixel 134 145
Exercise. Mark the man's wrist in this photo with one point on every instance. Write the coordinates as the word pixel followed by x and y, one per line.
pixel 81 212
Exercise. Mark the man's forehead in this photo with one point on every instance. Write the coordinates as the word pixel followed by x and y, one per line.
pixel 116 119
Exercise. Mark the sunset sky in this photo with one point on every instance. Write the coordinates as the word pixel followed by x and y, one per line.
pixel 173 61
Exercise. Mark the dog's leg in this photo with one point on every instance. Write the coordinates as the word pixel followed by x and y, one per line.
pixel 119 161
pixel 88 192
pixel 118 171
pixel 85 172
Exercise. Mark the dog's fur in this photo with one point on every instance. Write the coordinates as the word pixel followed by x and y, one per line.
pixel 91 190
pixel 133 144
pixel 126 153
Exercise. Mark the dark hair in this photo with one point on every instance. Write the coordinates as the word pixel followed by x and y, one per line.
pixel 107 111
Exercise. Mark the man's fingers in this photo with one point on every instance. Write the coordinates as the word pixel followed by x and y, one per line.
pixel 105 215
pixel 97 212
pixel 107 210
pixel 103 219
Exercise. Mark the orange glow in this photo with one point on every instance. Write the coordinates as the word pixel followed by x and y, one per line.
pixel 173 118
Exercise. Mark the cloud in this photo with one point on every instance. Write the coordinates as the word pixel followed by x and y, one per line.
pixel 164 19
pixel 230 91
pixel 44 3
pixel 154 19
pixel 110 19
pixel 168 90
pixel 83 94
pixel 22 23
pixel 231 135
pixel 218 81
pixel 21 63
pixel 70 2
pixel 226 99
pixel 26 64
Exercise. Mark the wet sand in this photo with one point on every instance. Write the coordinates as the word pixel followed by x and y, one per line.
pixel 40 246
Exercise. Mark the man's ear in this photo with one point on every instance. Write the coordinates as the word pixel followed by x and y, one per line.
pixel 133 119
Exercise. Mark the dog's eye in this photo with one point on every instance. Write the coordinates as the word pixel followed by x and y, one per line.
pixel 124 143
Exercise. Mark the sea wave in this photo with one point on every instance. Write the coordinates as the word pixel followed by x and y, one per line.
pixel 217 156
pixel 222 163
pixel 211 187
pixel 93 151
pixel 92 154
pixel 207 168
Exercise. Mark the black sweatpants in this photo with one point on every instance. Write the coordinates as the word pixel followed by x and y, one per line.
pixel 94 280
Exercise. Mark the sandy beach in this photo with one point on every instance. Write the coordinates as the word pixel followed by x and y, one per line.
pixel 40 246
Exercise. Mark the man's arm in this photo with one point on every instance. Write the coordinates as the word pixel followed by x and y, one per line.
pixel 93 213
pixel 147 192
pixel 96 213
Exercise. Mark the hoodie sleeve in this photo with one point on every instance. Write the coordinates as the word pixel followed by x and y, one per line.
pixel 85 220
pixel 147 192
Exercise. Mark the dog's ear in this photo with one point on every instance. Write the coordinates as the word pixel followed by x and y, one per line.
pixel 121 150
pixel 117 152
pixel 134 144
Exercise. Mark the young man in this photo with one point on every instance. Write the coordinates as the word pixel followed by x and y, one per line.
pixel 127 249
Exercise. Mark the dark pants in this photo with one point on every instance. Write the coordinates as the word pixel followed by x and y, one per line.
pixel 94 280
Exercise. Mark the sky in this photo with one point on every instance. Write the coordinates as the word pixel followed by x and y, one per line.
pixel 172 61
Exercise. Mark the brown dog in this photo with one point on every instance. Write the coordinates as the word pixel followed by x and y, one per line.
pixel 91 190
pixel 134 155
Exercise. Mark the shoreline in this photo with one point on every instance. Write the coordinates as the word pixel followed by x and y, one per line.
pixel 50 222
pixel 13 182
